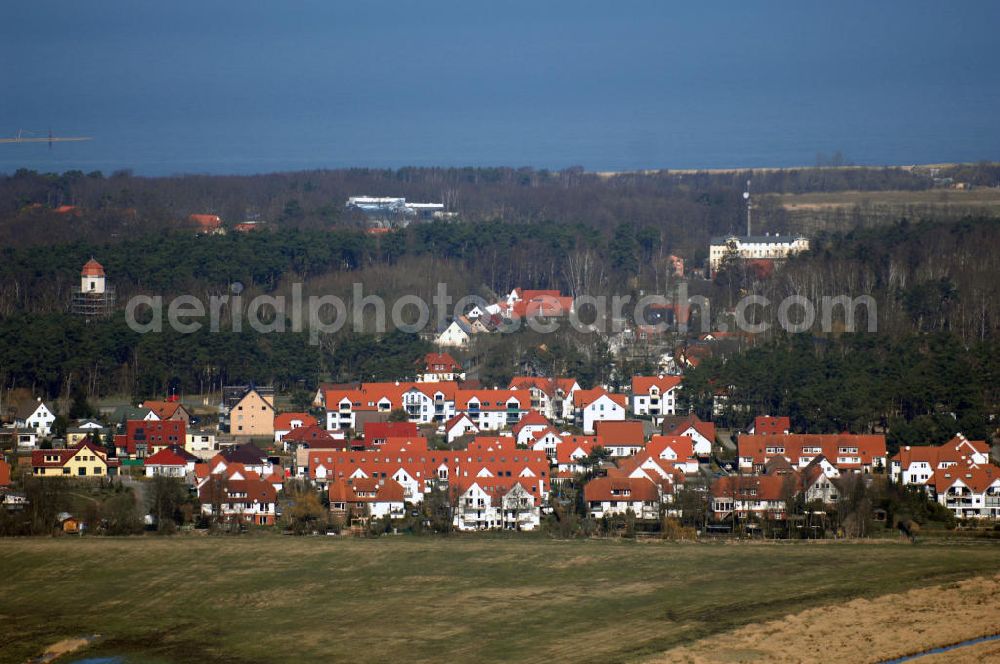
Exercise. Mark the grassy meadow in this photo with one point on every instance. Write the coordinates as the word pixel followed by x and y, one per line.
pixel 284 599
pixel 844 210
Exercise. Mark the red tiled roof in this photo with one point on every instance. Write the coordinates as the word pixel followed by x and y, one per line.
pixel 977 478
pixel 492 400
pixel 63 455
pixel 206 221
pixel 366 490
pixel 750 487
pixel 440 363
pixel 531 418
pixel 658 470
pixel 313 435
pixel 766 425
pixel 455 419
pixel 383 430
pixel 498 487
pixel 868 446
pixel 550 386
pixel 628 432
pixel 92 269
pixel 642 384
pixel 283 421
pixel 570 444
pixel 163 409
pixel 228 490
pixel 583 398
pixel 497 456
pixel 958 450
pixel 168 456
pixel 546 305
pixel 539 434
pixel 399 444
pixel 608 489
pixel 675 424
pixel 683 446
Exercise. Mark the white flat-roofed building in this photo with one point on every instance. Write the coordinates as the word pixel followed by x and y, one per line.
pixel 755 247
pixel 393 210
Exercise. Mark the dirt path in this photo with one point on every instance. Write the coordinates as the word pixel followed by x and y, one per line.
pixel 64 647
pixel 865 630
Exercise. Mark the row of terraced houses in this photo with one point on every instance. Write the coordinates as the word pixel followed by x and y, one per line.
pixel 508 451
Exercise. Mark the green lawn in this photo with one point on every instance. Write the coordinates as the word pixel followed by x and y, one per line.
pixel 272 598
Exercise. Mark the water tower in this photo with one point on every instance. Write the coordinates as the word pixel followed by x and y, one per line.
pixel 94 297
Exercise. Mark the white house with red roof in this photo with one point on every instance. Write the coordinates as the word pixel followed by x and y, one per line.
pixel 769 425
pixel 970 491
pixel 572 450
pixel 864 453
pixel 246 501
pixel 367 498
pixel 420 469
pixel 752 495
pixel 496 503
pixel 655 395
pixel 700 432
pixel 171 461
pixel 607 496
pixel 458 426
pixel 440 367
pixel 621 439
pixel 597 405
pixel 916 465
pixel 207 224
pixel 430 402
pixel 660 472
pixel 492 409
pixel 818 481
pixel 168 410
pixel 545 440
pixel 377 433
pixel 677 451
pixel 524 303
pixel 424 403
pixel 530 423
pixel 551 397
pixel 286 422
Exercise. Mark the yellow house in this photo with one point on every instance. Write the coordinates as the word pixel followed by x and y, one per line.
pixel 76 435
pixel 252 416
pixel 83 460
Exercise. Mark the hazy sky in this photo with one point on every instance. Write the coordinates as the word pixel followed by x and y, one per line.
pixel 259 86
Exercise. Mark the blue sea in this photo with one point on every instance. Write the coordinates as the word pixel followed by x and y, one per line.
pixel 248 87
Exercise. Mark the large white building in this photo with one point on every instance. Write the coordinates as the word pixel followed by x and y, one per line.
pixel 755 247
pixel 389 210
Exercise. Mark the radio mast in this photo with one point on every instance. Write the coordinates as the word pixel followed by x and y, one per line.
pixel 746 197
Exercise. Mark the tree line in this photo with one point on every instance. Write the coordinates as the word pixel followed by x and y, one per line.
pixel 920 388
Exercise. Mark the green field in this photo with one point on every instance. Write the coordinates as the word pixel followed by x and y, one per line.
pixel 284 599
pixel 844 210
